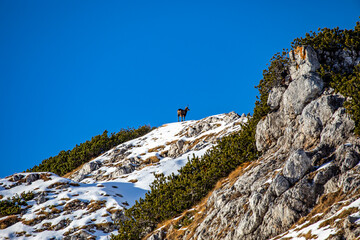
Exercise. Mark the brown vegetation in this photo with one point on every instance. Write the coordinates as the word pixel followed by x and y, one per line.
pixel 156 149
pixel 95 205
pixel 151 160
pixel 8 221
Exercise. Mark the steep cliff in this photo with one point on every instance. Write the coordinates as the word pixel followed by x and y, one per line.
pixel 306 183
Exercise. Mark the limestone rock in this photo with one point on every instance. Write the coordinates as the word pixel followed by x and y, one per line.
pixel 268 131
pixel 17 177
pixel 296 166
pixel 348 156
pixel 303 61
pixel 324 175
pixel 317 113
pixel 280 184
pixel 340 125
pixel 41 198
pixel 275 97
pixel 32 177
pixel 300 92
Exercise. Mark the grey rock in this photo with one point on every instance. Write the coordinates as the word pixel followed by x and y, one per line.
pixel 275 97
pixel 338 128
pixel 296 166
pixel 32 177
pixel 159 235
pixel 41 198
pixel 125 169
pixel 17 177
pixel 300 92
pixel 324 175
pixel 91 166
pixel 268 130
pixel 280 184
pixel 317 113
pixel 180 144
pixel 304 61
pixel 348 156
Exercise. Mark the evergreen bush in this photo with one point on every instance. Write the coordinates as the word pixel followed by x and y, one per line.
pixel 170 196
pixel 66 161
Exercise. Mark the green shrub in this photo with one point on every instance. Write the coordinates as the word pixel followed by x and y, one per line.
pixel 170 196
pixel 66 161
pixel 13 206
pixel 344 81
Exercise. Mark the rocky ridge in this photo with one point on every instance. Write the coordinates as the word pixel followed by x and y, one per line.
pixel 306 183
pixel 88 205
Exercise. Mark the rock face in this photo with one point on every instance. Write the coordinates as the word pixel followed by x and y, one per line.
pixel 310 161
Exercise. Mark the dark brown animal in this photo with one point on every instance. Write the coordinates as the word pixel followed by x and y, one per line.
pixel 182 113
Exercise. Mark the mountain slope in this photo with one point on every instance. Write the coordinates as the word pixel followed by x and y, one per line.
pixel 88 204
pixel 306 184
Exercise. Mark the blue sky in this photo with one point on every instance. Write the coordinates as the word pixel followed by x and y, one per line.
pixel 71 69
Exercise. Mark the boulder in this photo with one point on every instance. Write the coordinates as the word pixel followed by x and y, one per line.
pixel 280 184
pixel 275 97
pixel 317 113
pixel 17 177
pixel 41 198
pixel 296 166
pixel 32 177
pixel 300 92
pixel 325 174
pixel 347 156
pixel 338 128
pixel 303 61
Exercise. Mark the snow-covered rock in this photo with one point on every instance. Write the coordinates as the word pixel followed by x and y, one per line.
pixel 88 205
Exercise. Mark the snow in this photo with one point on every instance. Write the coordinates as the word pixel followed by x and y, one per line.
pixel 315 229
pixel 117 193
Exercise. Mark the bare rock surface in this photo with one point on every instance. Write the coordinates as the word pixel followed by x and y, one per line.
pixel 308 175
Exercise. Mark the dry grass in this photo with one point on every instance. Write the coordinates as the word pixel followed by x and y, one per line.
pixel 200 210
pixel 156 149
pixel 8 221
pixel 172 142
pixel 33 221
pixel 164 153
pixel 206 137
pixel 45 176
pixel 113 210
pixel 325 204
pixel 151 160
pixel 95 205
pixel 308 235
pixel 244 167
pixel 67 175
pixel 58 184
pixel 339 218
pixel 133 180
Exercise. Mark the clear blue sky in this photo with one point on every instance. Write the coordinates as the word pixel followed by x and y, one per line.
pixel 71 69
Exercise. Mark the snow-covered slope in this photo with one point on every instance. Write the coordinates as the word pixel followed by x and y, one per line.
pixel 94 197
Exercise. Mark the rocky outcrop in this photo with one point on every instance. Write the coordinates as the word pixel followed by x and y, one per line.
pixel 155 147
pixel 310 161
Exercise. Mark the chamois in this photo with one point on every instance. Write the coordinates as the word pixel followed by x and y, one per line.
pixel 182 113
